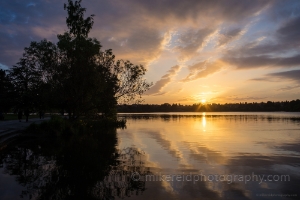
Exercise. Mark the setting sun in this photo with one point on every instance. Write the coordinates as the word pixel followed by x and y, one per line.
pixel 144 99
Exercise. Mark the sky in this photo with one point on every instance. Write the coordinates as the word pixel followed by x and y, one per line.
pixel 194 50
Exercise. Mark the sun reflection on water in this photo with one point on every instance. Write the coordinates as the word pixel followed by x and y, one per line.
pixel 203 121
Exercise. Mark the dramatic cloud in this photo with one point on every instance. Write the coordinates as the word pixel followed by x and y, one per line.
pixel 191 41
pixel 142 46
pixel 166 79
pixel 202 69
pixel 228 36
pixel 292 75
pixel 24 21
pixel 263 61
pixel 289 33
pixel 272 52
pixel 230 10
pixel 248 34
pixel 128 22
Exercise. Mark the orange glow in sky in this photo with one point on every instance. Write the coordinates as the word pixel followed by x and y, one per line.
pixel 219 51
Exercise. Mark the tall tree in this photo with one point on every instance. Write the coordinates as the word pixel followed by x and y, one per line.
pixel 78 76
pixel 98 82
pixel 87 84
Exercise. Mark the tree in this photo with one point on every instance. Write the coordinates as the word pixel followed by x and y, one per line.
pixel 88 86
pixel 74 74
pixel 32 76
pixel 130 81
pixel 6 100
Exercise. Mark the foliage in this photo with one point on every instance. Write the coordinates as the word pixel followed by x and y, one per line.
pixel 74 74
pixel 6 89
pixel 130 81
pixel 32 75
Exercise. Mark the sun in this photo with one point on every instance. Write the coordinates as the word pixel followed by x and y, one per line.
pixel 203 100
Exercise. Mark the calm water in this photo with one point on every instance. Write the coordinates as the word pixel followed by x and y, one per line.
pixel 166 156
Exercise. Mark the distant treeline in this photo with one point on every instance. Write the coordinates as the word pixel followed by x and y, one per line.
pixel 289 106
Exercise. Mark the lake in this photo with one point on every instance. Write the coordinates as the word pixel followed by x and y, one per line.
pixel 166 156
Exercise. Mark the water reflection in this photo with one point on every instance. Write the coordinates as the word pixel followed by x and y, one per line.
pixel 124 179
pixel 166 158
pixel 88 167
pixel 203 121
pixel 208 144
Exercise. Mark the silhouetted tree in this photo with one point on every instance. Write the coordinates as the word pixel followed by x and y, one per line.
pixel 32 77
pixel 290 106
pixel 75 75
pixel 6 89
